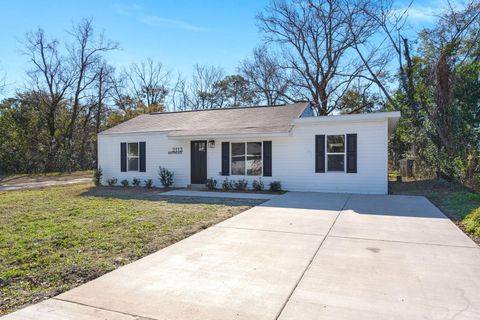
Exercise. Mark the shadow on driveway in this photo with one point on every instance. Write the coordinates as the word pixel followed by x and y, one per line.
pixel 155 194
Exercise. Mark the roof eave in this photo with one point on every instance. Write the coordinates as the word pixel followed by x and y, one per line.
pixel 392 119
pixel 228 136
pixel 348 118
pixel 105 133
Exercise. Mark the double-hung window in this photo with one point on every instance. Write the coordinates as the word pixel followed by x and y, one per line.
pixel 336 153
pixel 246 158
pixel 133 156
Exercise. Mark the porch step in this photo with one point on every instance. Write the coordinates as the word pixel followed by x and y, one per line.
pixel 196 187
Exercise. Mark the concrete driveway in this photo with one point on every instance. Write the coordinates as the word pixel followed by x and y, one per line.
pixel 298 256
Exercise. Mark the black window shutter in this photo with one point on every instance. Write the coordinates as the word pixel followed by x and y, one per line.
pixel 143 161
pixel 320 153
pixel 123 156
pixel 225 158
pixel 267 158
pixel 352 153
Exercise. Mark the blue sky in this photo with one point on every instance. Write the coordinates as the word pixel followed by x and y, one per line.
pixel 177 33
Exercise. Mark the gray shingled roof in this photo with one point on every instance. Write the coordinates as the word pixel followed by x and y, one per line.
pixel 246 120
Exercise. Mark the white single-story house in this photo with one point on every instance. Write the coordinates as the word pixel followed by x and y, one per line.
pixel 286 143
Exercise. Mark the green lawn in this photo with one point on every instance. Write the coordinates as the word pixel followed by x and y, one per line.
pixel 458 203
pixel 53 239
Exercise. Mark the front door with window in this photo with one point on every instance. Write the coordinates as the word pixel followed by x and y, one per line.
pixel 198 162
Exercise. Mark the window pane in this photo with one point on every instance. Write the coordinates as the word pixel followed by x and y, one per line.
pixel 254 148
pixel 254 165
pixel 201 146
pixel 132 164
pixel 336 162
pixel 336 143
pixel 133 149
pixel 238 165
pixel 238 149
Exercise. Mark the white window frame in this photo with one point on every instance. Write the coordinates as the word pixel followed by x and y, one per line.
pixel 245 157
pixel 133 157
pixel 344 153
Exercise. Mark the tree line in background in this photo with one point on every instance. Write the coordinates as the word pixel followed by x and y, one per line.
pixel 345 56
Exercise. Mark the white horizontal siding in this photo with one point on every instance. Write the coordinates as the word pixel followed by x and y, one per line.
pixel 293 158
pixel 157 147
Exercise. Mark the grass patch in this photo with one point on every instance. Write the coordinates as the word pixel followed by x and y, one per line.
pixel 53 239
pixel 457 202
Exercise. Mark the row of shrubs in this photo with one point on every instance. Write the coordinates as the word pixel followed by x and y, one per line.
pixel 242 185
pixel 165 177
pixel 135 182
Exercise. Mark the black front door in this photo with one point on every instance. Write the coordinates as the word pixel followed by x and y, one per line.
pixel 198 161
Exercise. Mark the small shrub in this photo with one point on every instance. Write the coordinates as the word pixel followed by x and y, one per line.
pixel 124 182
pixel 97 176
pixel 227 184
pixel 211 184
pixel 258 185
pixel 148 183
pixel 112 181
pixel 136 182
pixel 275 186
pixel 241 185
pixel 472 222
pixel 166 177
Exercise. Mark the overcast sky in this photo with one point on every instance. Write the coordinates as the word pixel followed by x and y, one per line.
pixel 177 33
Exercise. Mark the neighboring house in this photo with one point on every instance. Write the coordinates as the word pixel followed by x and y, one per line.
pixel 286 143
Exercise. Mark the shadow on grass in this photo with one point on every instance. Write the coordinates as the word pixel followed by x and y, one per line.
pixel 155 194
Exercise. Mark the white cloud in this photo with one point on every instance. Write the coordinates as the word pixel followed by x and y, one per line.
pixel 127 9
pixel 423 14
pixel 157 21
pixel 419 14
pixel 427 12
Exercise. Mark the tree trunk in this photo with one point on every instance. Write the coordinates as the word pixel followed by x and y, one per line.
pixel 98 114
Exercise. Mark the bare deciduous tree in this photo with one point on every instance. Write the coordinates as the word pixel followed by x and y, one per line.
pixel 265 77
pixel 235 91
pixel 3 81
pixel 180 97
pixel 205 94
pixel 50 78
pixel 380 44
pixel 86 55
pixel 141 88
pixel 201 92
pixel 315 39
pixel 148 82
pixel 105 81
pixel 63 78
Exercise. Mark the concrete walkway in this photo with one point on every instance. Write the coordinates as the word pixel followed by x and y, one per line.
pixel 41 184
pixel 297 256
pixel 220 194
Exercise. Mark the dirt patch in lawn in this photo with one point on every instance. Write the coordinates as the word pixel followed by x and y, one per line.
pixel 40 177
pixel 54 239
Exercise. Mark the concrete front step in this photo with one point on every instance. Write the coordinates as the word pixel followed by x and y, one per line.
pixel 196 187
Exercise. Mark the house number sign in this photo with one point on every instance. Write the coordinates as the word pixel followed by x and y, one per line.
pixel 176 150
